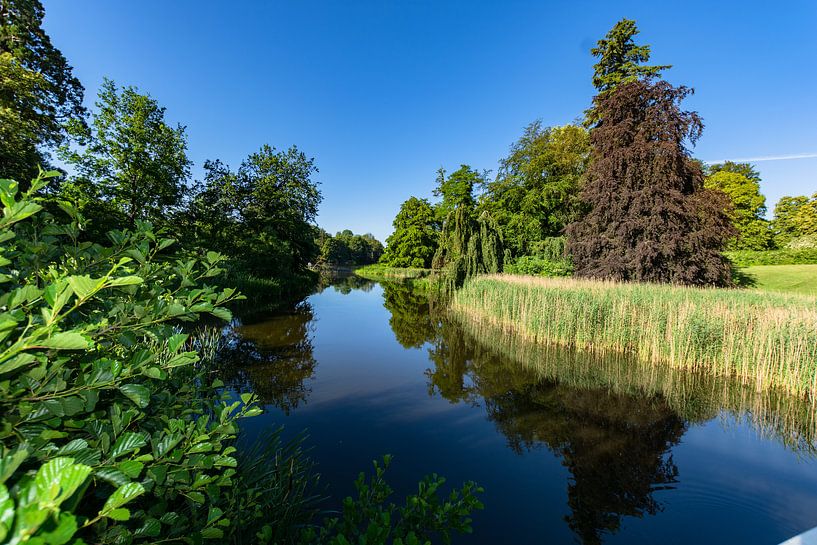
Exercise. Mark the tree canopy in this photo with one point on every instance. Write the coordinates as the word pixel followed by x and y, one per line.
pixel 415 236
pixel 650 217
pixel 747 205
pixel 39 93
pixel 535 194
pixel 133 157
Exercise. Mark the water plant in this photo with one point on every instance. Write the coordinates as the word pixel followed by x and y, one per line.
pixel 767 340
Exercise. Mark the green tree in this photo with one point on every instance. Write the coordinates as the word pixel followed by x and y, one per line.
pixel 747 206
pixel 414 240
pixel 620 61
pixel 651 218
pixel 794 217
pixel 138 162
pixel 263 213
pixel 38 91
pixel 535 194
pixel 456 190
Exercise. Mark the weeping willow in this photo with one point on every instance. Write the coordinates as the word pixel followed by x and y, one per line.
pixel 470 244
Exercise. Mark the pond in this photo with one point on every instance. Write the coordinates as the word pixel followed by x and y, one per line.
pixel 570 447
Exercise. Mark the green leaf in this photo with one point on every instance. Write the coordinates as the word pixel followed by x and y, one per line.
pixel 128 442
pixel 223 313
pixel 6 513
pixel 137 393
pixel 67 340
pixel 131 468
pixel 212 533
pixel 121 514
pixel 65 530
pixel 83 286
pixel 174 342
pixel 151 528
pixel 124 281
pixel 57 479
pixel 124 494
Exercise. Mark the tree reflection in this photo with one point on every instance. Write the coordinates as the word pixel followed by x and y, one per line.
pixel 616 446
pixel 410 320
pixel 273 358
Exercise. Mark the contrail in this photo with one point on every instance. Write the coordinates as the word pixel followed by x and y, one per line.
pixel 767 158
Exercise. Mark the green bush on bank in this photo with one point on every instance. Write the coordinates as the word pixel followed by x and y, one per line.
pixel 113 425
pixel 750 258
pixel 538 266
pixel 109 430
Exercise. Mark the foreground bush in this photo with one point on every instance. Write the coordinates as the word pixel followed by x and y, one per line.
pixel 108 430
pixel 113 427
pixel 767 340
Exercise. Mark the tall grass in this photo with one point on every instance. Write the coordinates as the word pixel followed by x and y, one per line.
pixel 694 396
pixel 766 340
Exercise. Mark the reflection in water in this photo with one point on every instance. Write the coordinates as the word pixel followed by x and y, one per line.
pixel 410 316
pixel 273 358
pixel 612 421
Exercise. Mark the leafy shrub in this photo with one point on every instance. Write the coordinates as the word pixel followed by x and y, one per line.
pixel 806 242
pixel 109 430
pixel 748 258
pixel 368 519
pixel 538 266
pixel 112 428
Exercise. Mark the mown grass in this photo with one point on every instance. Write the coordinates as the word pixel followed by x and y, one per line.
pixel 767 340
pixel 782 278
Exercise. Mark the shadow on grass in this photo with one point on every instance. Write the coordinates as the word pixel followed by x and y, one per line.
pixel 743 279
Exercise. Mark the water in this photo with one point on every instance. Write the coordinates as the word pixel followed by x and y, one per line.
pixel 570 448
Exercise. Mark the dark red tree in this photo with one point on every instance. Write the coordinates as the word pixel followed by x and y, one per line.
pixel 650 219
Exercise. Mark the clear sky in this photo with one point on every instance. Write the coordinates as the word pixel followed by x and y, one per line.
pixel 384 92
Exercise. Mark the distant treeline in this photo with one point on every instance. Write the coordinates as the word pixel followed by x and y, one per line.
pixel 346 248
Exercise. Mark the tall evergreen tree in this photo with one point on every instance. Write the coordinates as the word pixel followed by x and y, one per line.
pixel 39 93
pixel 620 61
pixel 650 218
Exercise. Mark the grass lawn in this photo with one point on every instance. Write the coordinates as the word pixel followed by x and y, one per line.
pixel 784 278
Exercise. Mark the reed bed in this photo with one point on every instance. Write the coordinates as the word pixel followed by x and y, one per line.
pixel 694 396
pixel 766 340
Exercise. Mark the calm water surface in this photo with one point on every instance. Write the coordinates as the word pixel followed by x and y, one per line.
pixel 617 454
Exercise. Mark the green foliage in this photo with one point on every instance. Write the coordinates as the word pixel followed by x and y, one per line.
pixel 347 248
pixel 369 520
pixel 470 244
pixel 535 194
pixel 130 157
pixel 538 266
pixel 415 236
pixel 794 217
pixel 620 59
pixel 456 190
pixel 749 258
pixel 262 215
pixel 38 91
pixel 741 184
pixel 108 430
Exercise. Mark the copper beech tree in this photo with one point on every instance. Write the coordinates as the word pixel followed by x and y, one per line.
pixel 650 217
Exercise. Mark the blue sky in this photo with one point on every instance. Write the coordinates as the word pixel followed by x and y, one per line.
pixel 384 92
